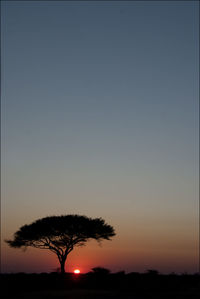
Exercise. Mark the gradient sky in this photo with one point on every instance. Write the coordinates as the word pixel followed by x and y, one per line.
pixel 100 118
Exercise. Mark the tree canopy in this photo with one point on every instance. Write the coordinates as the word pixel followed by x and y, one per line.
pixel 61 234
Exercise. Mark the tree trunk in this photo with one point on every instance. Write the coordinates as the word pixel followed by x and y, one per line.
pixel 62 265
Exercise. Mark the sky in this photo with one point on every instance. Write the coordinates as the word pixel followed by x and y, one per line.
pixel 100 118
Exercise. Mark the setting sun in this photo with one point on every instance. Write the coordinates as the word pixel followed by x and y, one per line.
pixel 77 271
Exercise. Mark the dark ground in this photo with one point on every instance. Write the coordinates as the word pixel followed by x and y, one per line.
pixel 97 286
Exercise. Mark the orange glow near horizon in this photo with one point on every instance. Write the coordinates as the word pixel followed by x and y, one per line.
pixel 77 271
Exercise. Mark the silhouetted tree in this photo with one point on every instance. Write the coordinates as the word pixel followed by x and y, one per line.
pixel 101 271
pixel 152 272
pixel 61 234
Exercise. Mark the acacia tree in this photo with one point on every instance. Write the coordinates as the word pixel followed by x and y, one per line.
pixel 60 234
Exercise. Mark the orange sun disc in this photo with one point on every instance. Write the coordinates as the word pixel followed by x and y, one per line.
pixel 77 271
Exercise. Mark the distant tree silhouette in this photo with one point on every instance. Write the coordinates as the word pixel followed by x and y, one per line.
pixel 152 272
pixel 100 270
pixel 60 234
